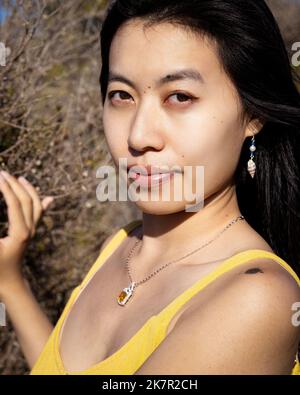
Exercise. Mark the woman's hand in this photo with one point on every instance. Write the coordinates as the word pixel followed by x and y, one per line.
pixel 24 210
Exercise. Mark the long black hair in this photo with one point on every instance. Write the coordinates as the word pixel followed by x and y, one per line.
pixel 252 52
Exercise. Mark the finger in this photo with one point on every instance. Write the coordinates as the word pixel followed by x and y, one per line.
pixel 47 201
pixel 37 205
pixel 23 196
pixel 16 222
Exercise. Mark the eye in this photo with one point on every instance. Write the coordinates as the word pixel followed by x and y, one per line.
pixel 121 93
pixel 123 96
pixel 183 98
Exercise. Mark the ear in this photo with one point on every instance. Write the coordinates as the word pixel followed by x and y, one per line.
pixel 253 127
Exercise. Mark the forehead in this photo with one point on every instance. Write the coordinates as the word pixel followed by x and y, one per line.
pixel 154 49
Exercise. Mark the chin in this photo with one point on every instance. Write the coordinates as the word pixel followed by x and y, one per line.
pixel 161 207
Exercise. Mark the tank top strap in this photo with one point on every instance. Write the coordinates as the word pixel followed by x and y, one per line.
pixel 112 245
pixel 236 260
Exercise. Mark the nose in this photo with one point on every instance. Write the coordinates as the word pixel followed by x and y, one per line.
pixel 146 130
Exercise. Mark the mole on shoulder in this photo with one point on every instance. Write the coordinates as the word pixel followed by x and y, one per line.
pixel 253 270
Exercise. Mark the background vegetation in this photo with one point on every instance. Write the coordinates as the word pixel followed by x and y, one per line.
pixel 51 133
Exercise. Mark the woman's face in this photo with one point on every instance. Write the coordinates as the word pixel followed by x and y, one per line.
pixel 151 118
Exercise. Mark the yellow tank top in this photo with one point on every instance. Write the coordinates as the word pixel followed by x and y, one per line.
pixel 128 359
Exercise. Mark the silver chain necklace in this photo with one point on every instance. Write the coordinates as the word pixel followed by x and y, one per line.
pixel 128 291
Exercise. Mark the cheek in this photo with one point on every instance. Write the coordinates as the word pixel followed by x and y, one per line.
pixel 114 135
pixel 205 139
pixel 215 143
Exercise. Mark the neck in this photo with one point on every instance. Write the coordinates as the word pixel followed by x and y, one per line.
pixel 171 236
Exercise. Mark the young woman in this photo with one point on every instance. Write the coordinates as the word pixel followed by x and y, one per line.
pixel 215 291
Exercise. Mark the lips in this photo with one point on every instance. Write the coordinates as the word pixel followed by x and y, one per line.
pixel 147 170
pixel 151 175
pixel 152 179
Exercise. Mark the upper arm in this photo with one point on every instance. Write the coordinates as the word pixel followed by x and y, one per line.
pixel 245 329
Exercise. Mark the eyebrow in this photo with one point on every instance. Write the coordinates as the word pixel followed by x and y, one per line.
pixel 184 74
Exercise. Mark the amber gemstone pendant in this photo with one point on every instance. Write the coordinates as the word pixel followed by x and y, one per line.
pixel 126 294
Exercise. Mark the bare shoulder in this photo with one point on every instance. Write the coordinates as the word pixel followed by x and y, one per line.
pixel 264 295
pixel 264 273
pixel 249 327
pixel 268 285
pixel 265 280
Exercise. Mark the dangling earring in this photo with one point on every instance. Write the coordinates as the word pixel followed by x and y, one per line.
pixel 251 164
